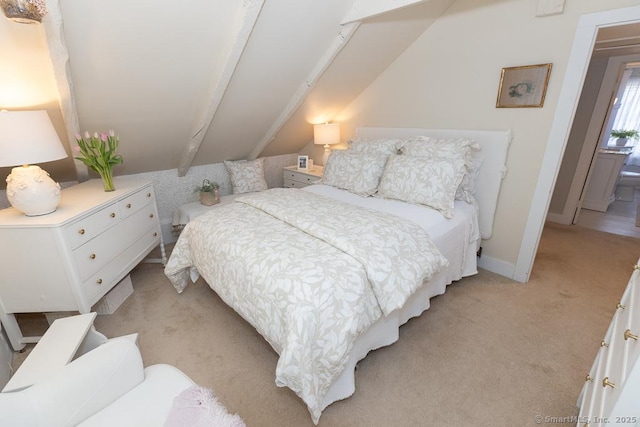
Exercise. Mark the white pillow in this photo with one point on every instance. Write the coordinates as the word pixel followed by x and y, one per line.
pixel 384 146
pixel 358 173
pixel 246 177
pixel 425 146
pixel 422 180
pixel 467 188
pixel 461 148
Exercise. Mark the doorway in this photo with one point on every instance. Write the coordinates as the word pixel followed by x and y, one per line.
pixel 573 83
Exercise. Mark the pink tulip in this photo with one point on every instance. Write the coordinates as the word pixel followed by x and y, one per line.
pixel 76 148
pixel 112 133
pixel 103 137
pixel 86 135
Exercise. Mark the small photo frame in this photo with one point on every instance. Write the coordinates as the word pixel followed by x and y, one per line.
pixel 303 163
pixel 522 87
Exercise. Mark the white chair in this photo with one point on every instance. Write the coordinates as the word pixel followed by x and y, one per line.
pixel 107 386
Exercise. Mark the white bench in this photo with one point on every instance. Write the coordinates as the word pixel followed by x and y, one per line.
pixel 186 213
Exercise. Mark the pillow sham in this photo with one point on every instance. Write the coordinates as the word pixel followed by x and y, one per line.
pixel 422 180
pixel 467 188
pixel 246 177
pixel 460 148
pixel 425 146
pixel 357 173
pixel 383 146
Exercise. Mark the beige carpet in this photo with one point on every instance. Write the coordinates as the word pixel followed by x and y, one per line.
pixel 489 352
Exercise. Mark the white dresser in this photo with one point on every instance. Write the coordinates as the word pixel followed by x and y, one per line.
pixel 295 178
pixel 69 259
pixel 611 393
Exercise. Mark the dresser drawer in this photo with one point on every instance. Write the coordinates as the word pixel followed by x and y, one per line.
pixel 105 278
pixel 96 253
pixel 136 201
pixel 288 183
pixel 299 177
pixel 83 230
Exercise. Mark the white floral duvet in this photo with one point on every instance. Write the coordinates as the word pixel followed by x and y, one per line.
pixel 308 272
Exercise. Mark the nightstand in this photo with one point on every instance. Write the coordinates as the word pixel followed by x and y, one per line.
pixel 295 178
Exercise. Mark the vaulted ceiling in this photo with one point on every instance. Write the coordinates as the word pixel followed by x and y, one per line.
pixel 197 82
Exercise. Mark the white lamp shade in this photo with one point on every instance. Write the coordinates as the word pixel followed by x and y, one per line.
pixel 28 137
pixel 326 133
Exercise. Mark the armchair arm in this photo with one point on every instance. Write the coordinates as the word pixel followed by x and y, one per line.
pixel 82 388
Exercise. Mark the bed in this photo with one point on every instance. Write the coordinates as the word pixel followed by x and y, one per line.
pixel 330 272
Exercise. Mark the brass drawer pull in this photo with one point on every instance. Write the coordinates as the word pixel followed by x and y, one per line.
pixel 129 205
pixel 99 281
pixel 148 194
pixel 113 215
pixel 619 305
pixel 81 231
pixel 155 234
pixel 604 344
pixel 589 378
pixel 150 215
pixel 92 256
pixel 628 334
pixel 606 382
pixel 636 267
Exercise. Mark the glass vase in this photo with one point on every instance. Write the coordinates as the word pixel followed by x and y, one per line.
pixel 107 179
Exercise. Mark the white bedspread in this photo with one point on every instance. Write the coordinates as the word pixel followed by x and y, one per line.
pixel 308 272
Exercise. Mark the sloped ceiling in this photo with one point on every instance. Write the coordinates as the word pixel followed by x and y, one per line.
pixel 201 81
pixel 149 70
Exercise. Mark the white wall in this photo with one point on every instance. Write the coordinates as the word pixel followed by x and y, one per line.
pixel 449 79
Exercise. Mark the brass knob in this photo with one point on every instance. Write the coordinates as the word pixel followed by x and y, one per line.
pixel 636 267
pixel 92 256
pixel 603 344
pixel 606 382
pixel 155 234
pixel 129 205
pixel 628 334
pixel 113 215
pixel 148 194
pixel 81 231
pixel 621 306
pixel 99 281
pixel 150 215
pixel 589 378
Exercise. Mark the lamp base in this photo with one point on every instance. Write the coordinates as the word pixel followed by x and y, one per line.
pixel 325 155
pixel 31 191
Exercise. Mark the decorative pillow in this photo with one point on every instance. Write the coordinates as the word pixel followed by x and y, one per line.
pixel 461 148
pixel 246 177
pixel 422 180
pixel 198 407
pixel 467 188
pixel 384 146
pixel 425 146
pixel 358 173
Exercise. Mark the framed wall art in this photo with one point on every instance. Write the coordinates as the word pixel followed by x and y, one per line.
pixel 524 86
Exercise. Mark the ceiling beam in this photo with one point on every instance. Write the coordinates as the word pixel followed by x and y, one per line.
pixel 364 9
pixel 219 86
pixel 54 30
pixel 299 96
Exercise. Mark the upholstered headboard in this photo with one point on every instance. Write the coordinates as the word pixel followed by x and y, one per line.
pixel 495 144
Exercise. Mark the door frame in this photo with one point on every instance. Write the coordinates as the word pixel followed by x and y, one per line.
pixel 572 85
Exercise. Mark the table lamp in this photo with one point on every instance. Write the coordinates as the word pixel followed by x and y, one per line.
pixel 29 137
pixel 326 134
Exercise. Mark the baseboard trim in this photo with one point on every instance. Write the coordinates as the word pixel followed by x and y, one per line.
pixel 497 266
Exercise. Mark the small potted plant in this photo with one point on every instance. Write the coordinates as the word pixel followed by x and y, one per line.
pixel 624 136
pixel 209 193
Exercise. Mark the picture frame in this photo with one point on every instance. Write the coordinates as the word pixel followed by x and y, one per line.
pixel 303 163
pixel 523 87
